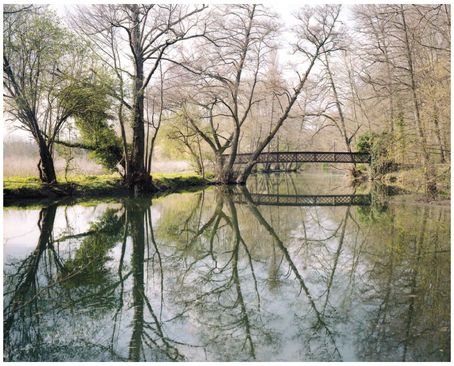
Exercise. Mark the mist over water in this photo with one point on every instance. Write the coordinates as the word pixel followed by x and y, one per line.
pixel 261 273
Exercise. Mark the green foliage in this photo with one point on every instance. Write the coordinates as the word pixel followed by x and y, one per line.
pixel 108 151
pixel 364 142
pixel 44 57
pixel 400 137
pixel 379 147
pixel 35 34
pixel 400 120
pixel 56 71
pixel 9 182
pixel 179 214
pixel 90 103
pixel 377 211
pixel 85 181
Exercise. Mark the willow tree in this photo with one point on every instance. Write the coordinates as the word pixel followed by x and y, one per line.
pixel 40 59
pixel 131 40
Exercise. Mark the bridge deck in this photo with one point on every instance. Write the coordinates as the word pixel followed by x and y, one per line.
pixel 304 157
pixel 305 200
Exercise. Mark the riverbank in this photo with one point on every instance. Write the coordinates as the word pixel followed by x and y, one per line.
pixel 412 180
pixel 17 189
pixel 28 190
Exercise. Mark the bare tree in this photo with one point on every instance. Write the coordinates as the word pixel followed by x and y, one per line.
pixel 154 108
pixel 226 69
pixel 403 52
pixel 316 33
pixel 189 140
pixel 374 24
pixel 340 118
pixel 132 40
pixel 402 34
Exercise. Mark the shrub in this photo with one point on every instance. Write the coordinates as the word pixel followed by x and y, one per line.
pixel 379 147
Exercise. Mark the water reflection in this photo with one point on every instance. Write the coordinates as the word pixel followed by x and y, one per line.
pixel 201 276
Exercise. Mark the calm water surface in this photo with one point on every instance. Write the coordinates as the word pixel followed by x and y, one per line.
pixel 265 273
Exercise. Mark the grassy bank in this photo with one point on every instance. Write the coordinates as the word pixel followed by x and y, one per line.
pixel 21 188
pixel 412 180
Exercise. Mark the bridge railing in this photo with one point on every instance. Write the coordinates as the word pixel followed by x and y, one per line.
pixel 304 157
pixel 304 200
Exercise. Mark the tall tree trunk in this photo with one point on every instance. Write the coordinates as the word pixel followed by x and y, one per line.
pixel 227 175
pixel 429 173
pixel 380 36
pixel 138 178
pixel 438 135
pixel 391 95
pixel 342 127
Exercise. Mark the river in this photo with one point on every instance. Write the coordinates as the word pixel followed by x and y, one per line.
pixel 297 267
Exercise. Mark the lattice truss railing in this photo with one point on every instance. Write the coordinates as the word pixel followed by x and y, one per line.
pixel 304 200
pixel 304 157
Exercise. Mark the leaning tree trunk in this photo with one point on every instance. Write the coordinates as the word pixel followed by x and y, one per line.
pixel 46 163
pixel 243 176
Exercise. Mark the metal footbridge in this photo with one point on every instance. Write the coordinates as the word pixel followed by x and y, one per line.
pixel 303 157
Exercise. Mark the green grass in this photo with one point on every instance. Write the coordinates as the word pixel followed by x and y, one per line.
pixel 21 182
pixel 90 181
pixel 179 180
pixel 16 188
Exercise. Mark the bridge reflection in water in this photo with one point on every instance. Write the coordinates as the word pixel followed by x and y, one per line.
pixel 260 199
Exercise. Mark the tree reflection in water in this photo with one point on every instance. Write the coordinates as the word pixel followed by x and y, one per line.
pixel 200 277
